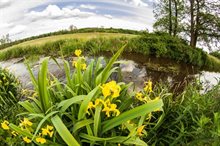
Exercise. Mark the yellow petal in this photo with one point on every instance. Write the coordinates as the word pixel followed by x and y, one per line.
pixel 26 139
pixel 41 140
pixel 78 52
pixel 5 124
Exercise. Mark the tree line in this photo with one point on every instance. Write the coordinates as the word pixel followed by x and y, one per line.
pixel 195 20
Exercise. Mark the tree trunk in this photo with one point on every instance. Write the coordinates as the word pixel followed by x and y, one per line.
pixel 197 22
pixel 170 18
pixel 192 22
pixel 176 18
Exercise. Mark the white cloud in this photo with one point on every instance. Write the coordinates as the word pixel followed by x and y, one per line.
pixel 5 3
pixel 138 3
pixel 5 25
pixel 91 7
pixel 27 18
pixel 108 16
pixel 93 21
pixel 17 30
pixel 54 12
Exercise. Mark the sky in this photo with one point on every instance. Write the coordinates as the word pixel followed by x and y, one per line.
pixel 25 18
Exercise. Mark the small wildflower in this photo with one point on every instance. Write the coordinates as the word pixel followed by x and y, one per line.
pixel 139 96
pixel 140 130
pixel 74 64
pixel 83 66
pixel 78 52
pixel 107 111
pixel 26 122
pixel 14 133
pixel 5 124
pixel 48 130
pixel 111 88
pixel 148 87
pixel 90 106
pixel 26 139
pixel 111 108
pixel 41 140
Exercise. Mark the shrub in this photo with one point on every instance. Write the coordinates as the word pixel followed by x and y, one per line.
pixel 9 97
pixel 9 87
pixel 216 54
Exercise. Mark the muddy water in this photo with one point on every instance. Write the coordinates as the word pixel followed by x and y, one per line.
pixel 135 68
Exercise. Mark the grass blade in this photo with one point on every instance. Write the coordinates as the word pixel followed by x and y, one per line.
pixel 64 132
pixel 131 114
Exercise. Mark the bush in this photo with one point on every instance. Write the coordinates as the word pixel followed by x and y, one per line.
pixel 9 97
pixel 216 54
pixel 9 87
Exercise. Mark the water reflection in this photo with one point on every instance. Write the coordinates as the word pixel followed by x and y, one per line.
pixel 135 68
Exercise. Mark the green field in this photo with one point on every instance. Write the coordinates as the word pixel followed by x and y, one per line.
pixel 80 36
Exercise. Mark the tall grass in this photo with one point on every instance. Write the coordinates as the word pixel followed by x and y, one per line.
pixel 191 118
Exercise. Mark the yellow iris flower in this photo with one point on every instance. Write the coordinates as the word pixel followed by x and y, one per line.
pixel 26 122
pixel 111 88
pixel 139 96
pixel 14 133
pixel 48 130
pixel 111 108
pixel 5 124
pixel 140 130
pixel 78 52
pixel 41 140
pixel 26 139
pixel 74 63
pixel 148 87
pixel 83 66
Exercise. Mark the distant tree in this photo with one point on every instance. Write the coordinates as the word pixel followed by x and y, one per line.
pixel 72 27
pixel 5 39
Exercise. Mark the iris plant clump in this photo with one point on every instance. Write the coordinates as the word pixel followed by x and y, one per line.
pixel 89 108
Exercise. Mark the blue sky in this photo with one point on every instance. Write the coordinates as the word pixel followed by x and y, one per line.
pixel 24 18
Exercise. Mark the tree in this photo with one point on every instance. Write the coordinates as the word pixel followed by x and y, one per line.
pixel 72 27
pixel 169 15
pixel 5 39
pixel 204 22
pixel 199 19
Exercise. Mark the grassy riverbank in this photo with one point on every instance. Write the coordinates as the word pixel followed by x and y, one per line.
pixel 159 45
pixel 88 107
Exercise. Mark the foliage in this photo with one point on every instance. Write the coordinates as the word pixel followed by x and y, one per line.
pixel 197 19
pixel 216 54
pixel 90 108
pixel 9 97
pixel 9 87
pixel 191 118
pixel 169 14
pixel 5 39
